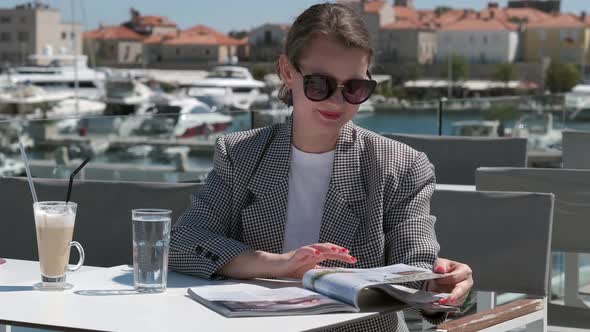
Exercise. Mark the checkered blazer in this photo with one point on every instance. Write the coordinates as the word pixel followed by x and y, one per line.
pixel 377 206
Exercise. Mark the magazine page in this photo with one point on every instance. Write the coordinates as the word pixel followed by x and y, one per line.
pixel 243 300
pixel 345 284
pixel 418 298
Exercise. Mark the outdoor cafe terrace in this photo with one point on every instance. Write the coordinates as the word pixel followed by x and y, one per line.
pixel 514 179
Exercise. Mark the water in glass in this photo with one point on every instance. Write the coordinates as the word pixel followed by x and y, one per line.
pixel 151 238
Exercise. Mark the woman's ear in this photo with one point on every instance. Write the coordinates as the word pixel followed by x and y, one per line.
pixel 287 71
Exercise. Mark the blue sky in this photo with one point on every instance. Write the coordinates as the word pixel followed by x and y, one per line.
pixel 225 15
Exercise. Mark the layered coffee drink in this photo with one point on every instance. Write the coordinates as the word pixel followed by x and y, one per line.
pixel 55 228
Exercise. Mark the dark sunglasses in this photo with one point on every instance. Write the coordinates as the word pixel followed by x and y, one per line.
pixel 319 87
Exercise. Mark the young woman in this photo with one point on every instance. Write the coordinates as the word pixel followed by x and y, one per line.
pixel 317 190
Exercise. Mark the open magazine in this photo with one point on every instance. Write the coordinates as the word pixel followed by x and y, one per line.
pixel 325 290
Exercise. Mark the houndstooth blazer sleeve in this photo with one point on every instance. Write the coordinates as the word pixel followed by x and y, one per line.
pixel 408 225
pixel 201 242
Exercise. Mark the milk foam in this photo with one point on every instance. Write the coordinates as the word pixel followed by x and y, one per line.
pixel 55 218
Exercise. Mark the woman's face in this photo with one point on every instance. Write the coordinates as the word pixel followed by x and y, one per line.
pixel 327 57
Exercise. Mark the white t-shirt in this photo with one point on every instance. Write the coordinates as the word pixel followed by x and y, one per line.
pixel 309 180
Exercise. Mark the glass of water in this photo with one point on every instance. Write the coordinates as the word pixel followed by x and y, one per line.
pixel 151 240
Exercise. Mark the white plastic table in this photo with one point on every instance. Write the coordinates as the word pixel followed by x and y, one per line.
pixel 456 187
pixel 173 310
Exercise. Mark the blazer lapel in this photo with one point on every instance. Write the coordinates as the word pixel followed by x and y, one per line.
pixel 264 220
pixel 346 195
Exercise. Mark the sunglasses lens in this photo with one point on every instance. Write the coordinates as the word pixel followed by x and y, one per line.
pixel 358 91
pixel 317 87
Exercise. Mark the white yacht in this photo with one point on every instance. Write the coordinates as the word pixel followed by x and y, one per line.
pixel 182 117
pixel 228 87
pixel 124 95
pixel 76 107
pixel 61 74
pixel 23 99
pixel 577 102
pixel 11 167
pixel 31 101
pixel 538 129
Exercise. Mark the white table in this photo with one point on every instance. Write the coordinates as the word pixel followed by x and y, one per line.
pixel 169 311
pixel 457 187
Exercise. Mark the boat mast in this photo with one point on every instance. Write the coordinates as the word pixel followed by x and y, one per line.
pixel 74 52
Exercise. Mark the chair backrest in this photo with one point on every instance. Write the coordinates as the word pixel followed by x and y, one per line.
pixel 575 149
pixel 504 237
pixel 456 158
pixel 103 221
pixel 571 225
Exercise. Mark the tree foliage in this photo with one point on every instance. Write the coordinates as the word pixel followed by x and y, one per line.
pixel 562 77
pixel 505 72
pixel 459 69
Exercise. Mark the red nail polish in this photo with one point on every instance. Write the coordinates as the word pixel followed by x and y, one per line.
pixel 334 249
pixel 344 250
pixel 439 269
pixel 317 252
pixel 443 301
pixel 352 259
pixel 452 300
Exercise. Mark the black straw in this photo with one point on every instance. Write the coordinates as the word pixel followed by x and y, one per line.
pixel 74 175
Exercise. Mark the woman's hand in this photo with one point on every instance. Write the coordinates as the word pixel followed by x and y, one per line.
pixel 294 264
pixel 458 282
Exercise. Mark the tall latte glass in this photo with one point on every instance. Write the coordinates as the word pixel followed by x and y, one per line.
pixel 54 222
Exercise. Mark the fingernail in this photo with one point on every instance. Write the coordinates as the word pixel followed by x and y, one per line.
pixel 344 250
pixel 317 252
pixel 452 300
pixel 439 269
pixel 352 259
pixel 443 301
pixel 334 249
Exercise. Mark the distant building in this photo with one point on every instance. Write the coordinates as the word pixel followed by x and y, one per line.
pixel 267 41
pixel 408 41
pixel 197 44
pixel 479 40
pixel 375 13
pixel 150 24
pixel 522 17
pixel 561 37
pixel 547 6
pixel 114 45
pixel 404 3
pixel 35 28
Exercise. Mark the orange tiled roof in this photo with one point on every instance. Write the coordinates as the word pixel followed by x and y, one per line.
pixel 152 20
pixel 374 6
pixel 450 17
pixel 405 25
pixel 113 32
pixel 475 24
pixel 405 13
pixel 201 35
pixel 559 21
pixel 531 14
